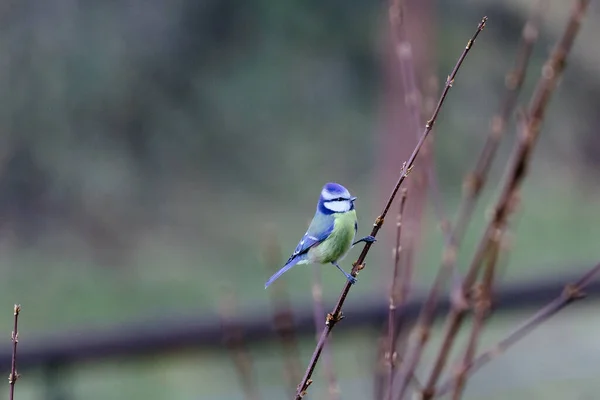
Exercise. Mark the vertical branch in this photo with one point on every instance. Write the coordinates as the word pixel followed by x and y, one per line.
pixel 319 311
pixel 516 172
pixel 12 378
pixel 233 339
pixel 397 299
pixel 283 317
pixel 474 183
pixel 336 315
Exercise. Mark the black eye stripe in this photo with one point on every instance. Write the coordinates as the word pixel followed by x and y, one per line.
pixel 338 199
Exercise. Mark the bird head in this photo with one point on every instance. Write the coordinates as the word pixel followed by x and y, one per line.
pixel 335 199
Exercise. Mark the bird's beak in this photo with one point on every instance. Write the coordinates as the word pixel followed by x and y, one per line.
pixel 352 198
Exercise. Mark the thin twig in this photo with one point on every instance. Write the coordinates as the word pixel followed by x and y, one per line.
pixel 473 186
pixel 328 367
pixel 336 315
pixel 570 293
pixel 397 299
pixel 516 173
pixel 12 378
pixel 234 340
pixel 283 317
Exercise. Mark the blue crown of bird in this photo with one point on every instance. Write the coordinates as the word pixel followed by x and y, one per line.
pixel 330 234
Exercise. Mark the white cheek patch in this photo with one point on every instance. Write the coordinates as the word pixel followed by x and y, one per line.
pixel 338 205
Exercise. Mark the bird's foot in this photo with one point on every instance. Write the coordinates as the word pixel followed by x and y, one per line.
pixel 351 279
pixel 366 239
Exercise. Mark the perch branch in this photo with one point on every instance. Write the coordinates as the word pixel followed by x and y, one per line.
pixel 336 315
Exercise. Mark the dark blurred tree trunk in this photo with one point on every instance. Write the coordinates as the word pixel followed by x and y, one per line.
pixel 398 136
pixel 397 140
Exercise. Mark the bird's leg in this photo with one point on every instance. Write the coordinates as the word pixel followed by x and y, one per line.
pixel 348 276
pixel 366 239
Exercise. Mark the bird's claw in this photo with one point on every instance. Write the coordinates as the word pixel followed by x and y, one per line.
pixel 366 239
pixel 351 279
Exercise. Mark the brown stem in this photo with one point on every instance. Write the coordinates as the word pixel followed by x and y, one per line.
pixel 12 378
pixel 570 293
pixel 336 315
pixel 397 299
pixel 516 172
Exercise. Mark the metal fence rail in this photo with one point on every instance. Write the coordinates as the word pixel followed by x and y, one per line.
pixel 166 335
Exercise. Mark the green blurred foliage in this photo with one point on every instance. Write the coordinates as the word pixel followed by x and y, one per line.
pixel 148 147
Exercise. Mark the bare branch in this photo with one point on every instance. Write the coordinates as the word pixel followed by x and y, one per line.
pixel 397 299
pixel 336 315
pixel 12 378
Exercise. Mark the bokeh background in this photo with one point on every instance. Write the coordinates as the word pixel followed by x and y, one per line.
pixel 149 150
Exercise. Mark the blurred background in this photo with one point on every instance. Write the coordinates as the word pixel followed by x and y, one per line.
pixel 150 150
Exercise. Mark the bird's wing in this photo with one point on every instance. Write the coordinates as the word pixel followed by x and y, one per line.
pixel 320 228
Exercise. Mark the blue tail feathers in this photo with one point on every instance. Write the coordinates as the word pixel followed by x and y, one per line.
pixel 284 269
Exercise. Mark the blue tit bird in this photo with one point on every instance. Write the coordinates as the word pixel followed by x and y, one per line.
pixel 330 233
